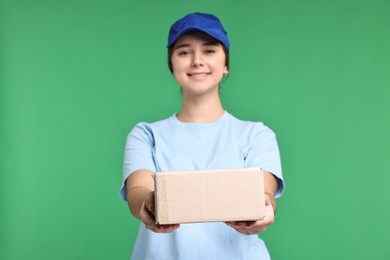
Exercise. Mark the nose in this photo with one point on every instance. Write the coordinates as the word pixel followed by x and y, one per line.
pixel 197 59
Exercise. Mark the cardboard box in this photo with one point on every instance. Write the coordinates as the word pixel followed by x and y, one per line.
pixel 209 196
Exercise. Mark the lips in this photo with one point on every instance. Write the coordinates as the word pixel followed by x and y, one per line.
pixel 198 75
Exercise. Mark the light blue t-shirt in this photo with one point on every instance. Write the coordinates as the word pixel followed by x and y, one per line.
pixel 172 145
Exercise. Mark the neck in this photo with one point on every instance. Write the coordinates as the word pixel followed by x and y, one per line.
pixel 201 110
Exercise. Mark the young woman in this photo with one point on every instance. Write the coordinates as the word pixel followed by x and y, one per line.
pixel 201 136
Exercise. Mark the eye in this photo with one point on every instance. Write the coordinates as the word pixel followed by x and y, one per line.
pixel 210 51
pixel 183 53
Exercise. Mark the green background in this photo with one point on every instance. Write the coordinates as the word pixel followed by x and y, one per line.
pixel 77 75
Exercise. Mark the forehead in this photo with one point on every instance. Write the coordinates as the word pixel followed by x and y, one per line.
pixel 197 37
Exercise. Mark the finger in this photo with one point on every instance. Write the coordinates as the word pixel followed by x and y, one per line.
pixel 150 222
pixel 167 228
pixel 147 217
pixel 241 224
pixel 164 228
pixel 151 206
pixel 251 231
pixel 261 223
pixel 149 211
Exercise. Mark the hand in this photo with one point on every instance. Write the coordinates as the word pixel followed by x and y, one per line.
pixel 147 216
pixel 255 227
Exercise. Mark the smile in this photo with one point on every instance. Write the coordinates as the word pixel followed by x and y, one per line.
pixel 199 74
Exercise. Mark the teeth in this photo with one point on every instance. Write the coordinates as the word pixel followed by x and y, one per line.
pixel 195 74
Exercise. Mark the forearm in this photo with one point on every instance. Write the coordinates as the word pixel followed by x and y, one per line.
pixel 139 185
pixel 135 199
pixel 270 187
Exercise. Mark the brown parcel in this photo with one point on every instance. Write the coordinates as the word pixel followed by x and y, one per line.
pixel 209 196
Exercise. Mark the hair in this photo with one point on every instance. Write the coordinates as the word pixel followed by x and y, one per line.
pixel 170 53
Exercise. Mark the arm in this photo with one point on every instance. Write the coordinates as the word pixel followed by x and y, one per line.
pixel 140 199
pixel 270 187
pixel 255 227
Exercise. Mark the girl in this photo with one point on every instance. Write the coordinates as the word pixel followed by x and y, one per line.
pixel 201 136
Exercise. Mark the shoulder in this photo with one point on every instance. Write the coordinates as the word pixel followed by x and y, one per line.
pixel 146 130
pixel 148 127
pixel 250 127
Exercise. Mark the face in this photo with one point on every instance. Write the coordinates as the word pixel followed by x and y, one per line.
pixel 198 63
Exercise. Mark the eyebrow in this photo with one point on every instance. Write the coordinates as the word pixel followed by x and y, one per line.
pixel 182 46
pixel 204 44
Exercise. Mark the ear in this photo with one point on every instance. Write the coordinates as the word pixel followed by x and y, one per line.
pixel 225 71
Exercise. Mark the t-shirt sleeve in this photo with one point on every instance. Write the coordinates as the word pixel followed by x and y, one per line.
pixel 264 152
pixel 138 153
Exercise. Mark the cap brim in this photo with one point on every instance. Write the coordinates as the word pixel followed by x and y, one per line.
pixel 189 30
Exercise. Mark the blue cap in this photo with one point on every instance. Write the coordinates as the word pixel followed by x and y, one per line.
pixel 206 23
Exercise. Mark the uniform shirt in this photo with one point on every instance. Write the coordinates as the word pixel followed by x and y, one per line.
pixel 172 145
